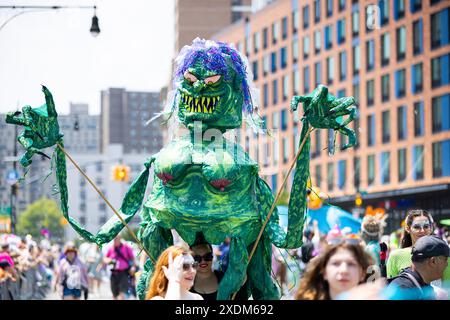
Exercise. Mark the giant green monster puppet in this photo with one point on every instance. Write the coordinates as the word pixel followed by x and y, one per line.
pixel 205 185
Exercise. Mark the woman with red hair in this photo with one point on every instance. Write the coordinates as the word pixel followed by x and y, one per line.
pixel 173 276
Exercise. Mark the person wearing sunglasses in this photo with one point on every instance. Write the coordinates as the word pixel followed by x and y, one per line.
pixel 173 276
pixel 418 223
pixel 335 272
pixel 207 280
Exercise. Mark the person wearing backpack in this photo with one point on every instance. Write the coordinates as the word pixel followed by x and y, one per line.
pixel 121 257
pixel 429 257
pixel 72 274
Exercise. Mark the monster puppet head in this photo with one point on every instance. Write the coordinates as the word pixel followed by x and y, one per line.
pixel 212 85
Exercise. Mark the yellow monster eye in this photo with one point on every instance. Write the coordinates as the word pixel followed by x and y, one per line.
pixel 213 79
pixel 190 77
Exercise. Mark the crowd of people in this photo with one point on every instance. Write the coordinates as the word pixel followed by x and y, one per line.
pixel 412 264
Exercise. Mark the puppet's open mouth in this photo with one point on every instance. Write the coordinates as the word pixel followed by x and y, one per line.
pixel 200 104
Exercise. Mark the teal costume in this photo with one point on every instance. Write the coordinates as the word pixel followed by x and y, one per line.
pixel 205 185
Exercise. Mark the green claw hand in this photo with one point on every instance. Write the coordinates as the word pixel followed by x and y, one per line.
pixel 41 127
pixel 325 111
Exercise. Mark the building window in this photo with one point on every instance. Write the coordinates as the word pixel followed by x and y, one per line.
pixel 284 28
pixel 356 93
pixel 294 51
pixel 370 169
pixel 306 80
pixel 440 28
pixel 417 78
pixel 417 37
pixel 440 114
pixel 273 61
pixel 255 70
pixel 283 119
pixel 356 58
pixel 265 64
pixel 83 219
pixel 296 83
pixel 355 23
pixel 328 37
pixel 283 56
pixel 318 175
pixel 318 144
pixel 370 130
pixel 370 84
pixel 384 11
pixel 285 87
pixel 401 43
pixel 305 17
pixel 285 149
pixel 341 5
pixel 385 87
pixel 265 38
pixel 400 83
pixel 418 119
pixel 330 176
pixel 401 123
pixel 342 168
pixel 329 8
pixel 342 65
pixel 295 21
pixel 330 70
pixel 385 49
pixel 275 122
pixel 340 93
pixel 317 41
pixel 385 167
pixel 418 162
pixel 399 9
pixel 401 161
pixel 98 166
pixel 265 95
pixel 386 126
pixel 316 11
pixel 415 5
pixel 340 31
pixel 440 71
pixel 441 159
pixel 306 46
pixel 275 32
pixel 357 172
pixel 275 91
pixel 317 73
pixel 370 55
pixel 256 42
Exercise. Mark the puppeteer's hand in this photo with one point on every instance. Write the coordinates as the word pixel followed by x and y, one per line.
pixel 174 272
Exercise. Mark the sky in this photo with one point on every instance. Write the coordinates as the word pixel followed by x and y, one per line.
pixel 55 48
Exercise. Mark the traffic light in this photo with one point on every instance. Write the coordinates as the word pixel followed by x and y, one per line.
pixel 121 173
pixel 358 200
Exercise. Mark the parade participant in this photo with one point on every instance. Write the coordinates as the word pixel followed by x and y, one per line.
pixel 207 280
pixel 71 274
pixel 120 255
pixel 173 276
pixel 335 271
pixel 371 232
pixel 418 223
pixel 204 182
pixel 429 257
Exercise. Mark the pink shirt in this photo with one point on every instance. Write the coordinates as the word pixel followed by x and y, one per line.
pixel 126 255
pixel 7 257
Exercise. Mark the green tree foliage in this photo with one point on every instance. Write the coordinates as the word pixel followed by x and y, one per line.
pixel 44 213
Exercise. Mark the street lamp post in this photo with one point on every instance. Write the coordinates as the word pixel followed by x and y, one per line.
pixel 95 29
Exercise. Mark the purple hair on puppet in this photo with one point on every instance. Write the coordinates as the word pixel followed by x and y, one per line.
pixel 215 56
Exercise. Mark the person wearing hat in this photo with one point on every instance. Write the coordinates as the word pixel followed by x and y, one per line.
pixel 72 274
pixel 429 257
